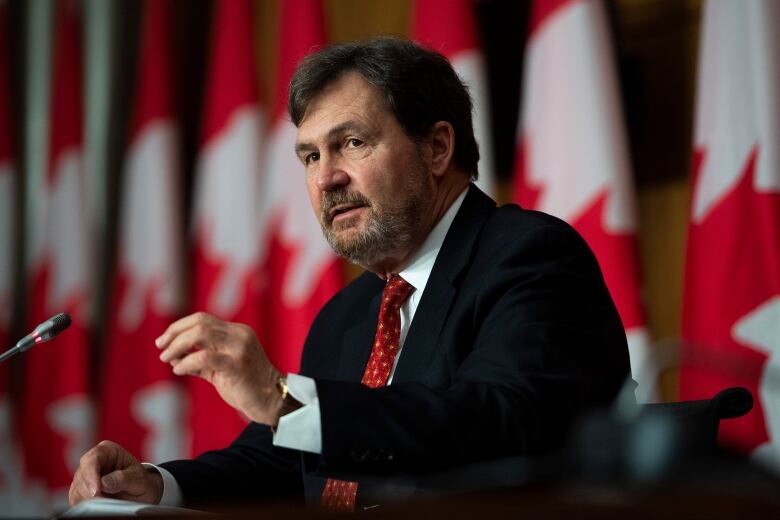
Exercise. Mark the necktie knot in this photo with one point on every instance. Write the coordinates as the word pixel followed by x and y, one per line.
pixel 396 291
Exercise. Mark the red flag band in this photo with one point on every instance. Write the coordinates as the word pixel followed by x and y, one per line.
pixel 142 404
pixel 731 305
pixel 572 155
pixel 226 263
pixel 56 416
pixel 300 272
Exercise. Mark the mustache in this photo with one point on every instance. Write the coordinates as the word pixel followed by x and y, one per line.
pixel 332 199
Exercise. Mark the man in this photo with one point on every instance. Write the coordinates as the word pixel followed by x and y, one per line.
pixel 505 328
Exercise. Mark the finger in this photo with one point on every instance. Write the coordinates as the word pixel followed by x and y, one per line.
pixel 73 497
pixel 84 490
pixel 199 336
pixel 90 466
pixel 202 363
pixel 86 481
pixel 182 324
pixel 79 489
pixel 111 456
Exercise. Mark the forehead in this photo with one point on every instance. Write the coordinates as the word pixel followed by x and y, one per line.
pixel 350 98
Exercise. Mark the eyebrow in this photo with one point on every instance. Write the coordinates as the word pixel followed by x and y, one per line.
pixel 342 128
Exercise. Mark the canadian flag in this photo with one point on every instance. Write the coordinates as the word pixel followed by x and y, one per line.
pixel 572 157
pixel 56 414
pixel 300 271
pixel 731 306
pixel 142 405
pixel 226 263
pixel 449 27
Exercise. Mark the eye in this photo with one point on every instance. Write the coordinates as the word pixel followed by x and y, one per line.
pixel 311 157
pixel 354 142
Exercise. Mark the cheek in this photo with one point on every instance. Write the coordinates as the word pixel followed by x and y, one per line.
pixel 379 177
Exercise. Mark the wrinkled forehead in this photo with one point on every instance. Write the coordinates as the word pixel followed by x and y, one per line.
pixel 350 97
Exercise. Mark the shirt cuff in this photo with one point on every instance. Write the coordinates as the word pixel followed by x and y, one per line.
pixel 171 495
pixel 301 429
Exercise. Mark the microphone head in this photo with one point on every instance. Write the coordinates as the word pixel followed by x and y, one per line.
pixel 43 332
pixel 60 322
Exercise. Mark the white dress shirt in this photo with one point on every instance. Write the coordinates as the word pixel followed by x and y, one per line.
pixel 301 429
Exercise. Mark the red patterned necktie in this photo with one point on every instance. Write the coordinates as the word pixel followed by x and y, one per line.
pixel 339 495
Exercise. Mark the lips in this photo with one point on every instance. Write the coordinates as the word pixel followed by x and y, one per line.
pixel 341 209
pixel 340 205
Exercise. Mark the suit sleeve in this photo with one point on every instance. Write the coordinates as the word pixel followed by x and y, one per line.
pixel 533 339
pixel 249 469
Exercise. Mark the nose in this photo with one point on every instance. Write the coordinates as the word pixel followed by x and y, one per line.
pixel 331 175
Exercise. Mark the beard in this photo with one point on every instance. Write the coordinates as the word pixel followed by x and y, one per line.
pixel 391 227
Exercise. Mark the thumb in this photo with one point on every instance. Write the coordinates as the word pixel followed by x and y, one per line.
pixel 132 483
pixel 117 481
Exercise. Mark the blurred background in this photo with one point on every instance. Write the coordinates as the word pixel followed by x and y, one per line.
pixel 147 171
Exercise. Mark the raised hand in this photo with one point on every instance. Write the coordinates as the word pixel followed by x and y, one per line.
pixel 230 357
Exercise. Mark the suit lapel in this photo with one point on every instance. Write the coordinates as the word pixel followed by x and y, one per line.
pixel 429 318
pixel 358 341
pixel 421 342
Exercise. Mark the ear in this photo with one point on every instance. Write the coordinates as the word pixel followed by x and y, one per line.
pixel 442 142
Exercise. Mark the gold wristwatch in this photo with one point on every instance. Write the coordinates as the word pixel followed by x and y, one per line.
pixel 281 385
pixel 289 403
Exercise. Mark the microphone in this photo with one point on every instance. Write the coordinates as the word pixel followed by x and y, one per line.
pixel 43 332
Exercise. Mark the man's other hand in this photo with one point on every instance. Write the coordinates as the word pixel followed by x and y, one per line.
pixel 108 470
pixel 230 357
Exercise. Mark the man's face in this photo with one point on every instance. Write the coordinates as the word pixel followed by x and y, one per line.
pixel 368 183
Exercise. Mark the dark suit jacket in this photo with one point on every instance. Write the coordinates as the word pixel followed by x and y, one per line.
pixel 515 335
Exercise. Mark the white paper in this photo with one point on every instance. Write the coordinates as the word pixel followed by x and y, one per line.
pixel 114 507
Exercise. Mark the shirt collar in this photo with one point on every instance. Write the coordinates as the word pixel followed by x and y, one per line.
pixel 419 268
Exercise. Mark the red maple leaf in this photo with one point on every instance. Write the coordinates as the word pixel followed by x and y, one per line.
pixel 732 267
